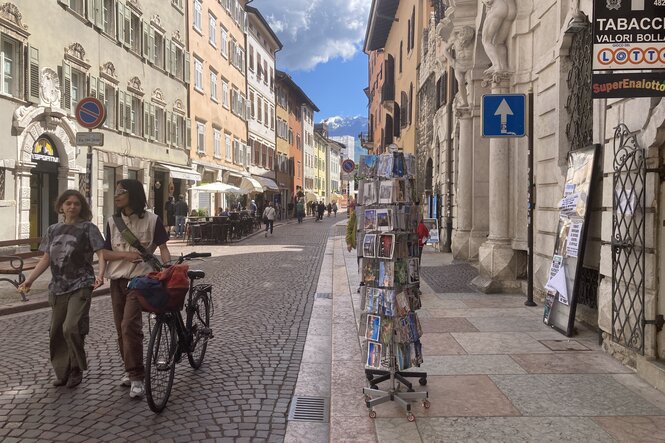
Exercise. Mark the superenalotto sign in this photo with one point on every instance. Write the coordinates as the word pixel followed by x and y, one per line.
pixel 628 34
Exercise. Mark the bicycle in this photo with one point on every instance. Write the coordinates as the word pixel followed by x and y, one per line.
pixel 171 337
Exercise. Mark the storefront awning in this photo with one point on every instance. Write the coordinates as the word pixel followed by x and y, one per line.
pixel 250 185
pixel 267 183
pixel 218 187
pixel 311 197
pixel 179 172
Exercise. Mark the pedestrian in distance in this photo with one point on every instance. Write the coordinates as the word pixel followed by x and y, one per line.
pixel 169 208
pixel 252 208
pixel 320 210
pixel 181 210
pixel 329 209
pixel 423 235
pixel 334 208
pixel 124 262
pixel 269 218
pixel 300 209
pixel 314 205
pixel 68 248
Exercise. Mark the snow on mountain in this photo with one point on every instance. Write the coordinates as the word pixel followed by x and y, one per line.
pixel 339 125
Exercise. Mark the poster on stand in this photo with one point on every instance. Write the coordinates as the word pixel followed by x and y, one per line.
pixel 433 228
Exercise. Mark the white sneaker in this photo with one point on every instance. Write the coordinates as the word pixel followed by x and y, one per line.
pixel 124 381
pixel 137 390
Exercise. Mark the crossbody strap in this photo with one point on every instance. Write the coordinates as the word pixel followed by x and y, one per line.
pixel 134 242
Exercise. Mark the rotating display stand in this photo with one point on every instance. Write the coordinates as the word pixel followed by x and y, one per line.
pixel 390 290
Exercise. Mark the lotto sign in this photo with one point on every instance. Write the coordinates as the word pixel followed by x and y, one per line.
pixel 90 113
pixel 628 34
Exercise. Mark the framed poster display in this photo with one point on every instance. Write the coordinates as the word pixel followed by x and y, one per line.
pixel 568 257
pixel 433 227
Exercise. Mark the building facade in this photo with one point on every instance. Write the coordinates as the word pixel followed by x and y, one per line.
pixel 262 46
pixel 130 56
pixel 218 98
pixel 481 184
pixel 375 140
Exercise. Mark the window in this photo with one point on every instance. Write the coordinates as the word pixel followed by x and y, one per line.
pixel 400 56
pixel 218 144
pixel 225 93
pixel 212 30
pixel 259 114
pixel 259 68
pixel 178 4
pixel 265 72
pixel 159 126
pixel 272 117
pixel 265 113
pixel 77 6
pixel 158 50
pixel 109 104
pixel 271 155
pixel 197 15
pixel 251 58
pixel 290 136
pixel 198 80
pixel 10 64
pixel 213 85
pixel 178 67
pixel 252 108
pixel 413 28
pixel 298 143
pixel 272 79
pixel 264 156
pixel 224 42
pixel 108 17
pixel 236 151
pixel 200 137
pixel 227 146
pixel 78 87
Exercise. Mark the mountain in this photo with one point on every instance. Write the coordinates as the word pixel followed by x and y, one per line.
pixel 339 125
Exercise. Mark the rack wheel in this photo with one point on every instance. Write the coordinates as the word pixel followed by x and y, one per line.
pixel 367 398
pixel 426 404
pixel 374 387
pixel 423 381
pixel 411 417
pixel 372 414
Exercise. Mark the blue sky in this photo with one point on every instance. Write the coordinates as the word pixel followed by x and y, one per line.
pixel 323 50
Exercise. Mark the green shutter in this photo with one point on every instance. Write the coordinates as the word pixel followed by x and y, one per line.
pixel 66 87
pixel 146 120
pixel 128 115
pixel 153 122
pixel 92 86
pixel 186 68
pixel 146 40
pixel 188 132
pixel 152 54
pixel 32 86
pixel 174 58
pixel 101 92
pixel 120 123
pixel 167 55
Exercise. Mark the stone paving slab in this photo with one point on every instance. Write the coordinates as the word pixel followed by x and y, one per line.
pixel 440 344
pixel 572 395
pixel 508 324
pixel 511 430
pixel 634 429
pixel 498 343
pixel 570 363
pixel 471 365
pixel 439 325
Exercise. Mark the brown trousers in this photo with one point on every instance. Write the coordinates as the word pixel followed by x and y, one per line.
pixel 128 320
pixel 70 322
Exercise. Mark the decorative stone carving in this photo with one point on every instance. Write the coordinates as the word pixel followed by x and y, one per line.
pixel 156 21
pixel 134 4
pixel 499 18
pixel 11 12
pixel 76 50
pixel 49 88
pixel 462 59
pixel 158 97
pixel 178 38
pixel 179 107
pixel 134 85
pixel 108 68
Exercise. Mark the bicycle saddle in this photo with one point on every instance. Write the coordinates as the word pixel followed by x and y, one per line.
pixel 193 275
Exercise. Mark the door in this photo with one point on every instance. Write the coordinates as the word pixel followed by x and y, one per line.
pixel 43 194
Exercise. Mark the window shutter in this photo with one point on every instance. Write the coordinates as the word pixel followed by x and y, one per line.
pixel 92 86
pixel 167 55
pixel 174 59
pixel 168 126
pixel 120 23
pixel 101 93
pixel 186 68
pixel 146 40
pixel 66 87
pixel 33 75
pixel 146 121
pixel 188 132
pixel 152 54
pixel 121 111
pixel 153 122
pixel 129 115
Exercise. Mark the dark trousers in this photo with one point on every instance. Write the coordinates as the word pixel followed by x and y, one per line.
pixel 128 320
pixel 269 224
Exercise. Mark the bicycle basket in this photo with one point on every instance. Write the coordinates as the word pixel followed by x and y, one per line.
pixel 163 291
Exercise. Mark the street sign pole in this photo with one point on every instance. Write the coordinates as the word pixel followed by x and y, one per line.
pixel 88 176
pixel 529 292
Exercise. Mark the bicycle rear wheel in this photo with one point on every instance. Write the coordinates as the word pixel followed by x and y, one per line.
pixel 201 332
pixel 160 365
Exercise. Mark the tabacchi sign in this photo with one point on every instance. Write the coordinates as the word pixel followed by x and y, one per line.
pixel 628 34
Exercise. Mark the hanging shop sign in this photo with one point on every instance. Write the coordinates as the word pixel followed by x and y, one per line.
pixel 568 257
pixel 43 150
pixel 629 84
pixel 628 34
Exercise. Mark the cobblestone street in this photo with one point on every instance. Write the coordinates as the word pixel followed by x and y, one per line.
pixel 263 295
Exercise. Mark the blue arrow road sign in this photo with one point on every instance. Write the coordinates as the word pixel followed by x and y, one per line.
pixel 504 115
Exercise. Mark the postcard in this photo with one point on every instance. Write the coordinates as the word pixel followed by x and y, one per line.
pixel 386 274
pixel 385 166
pixel 369 193
pixel 414 270
pixel 385 246
pixel 374 355
pixel 373 327
pixel 370 271
pixel 389 300
pixel 384 219
pixel 367 166
pixel 369 245
pixel 370 219
pixel 386 188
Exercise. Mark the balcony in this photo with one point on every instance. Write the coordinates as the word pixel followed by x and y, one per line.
pixel 366 140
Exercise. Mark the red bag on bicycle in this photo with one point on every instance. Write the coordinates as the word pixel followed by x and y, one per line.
pixel 163 291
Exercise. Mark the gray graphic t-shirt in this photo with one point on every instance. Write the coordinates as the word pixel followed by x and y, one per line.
pixel 70 249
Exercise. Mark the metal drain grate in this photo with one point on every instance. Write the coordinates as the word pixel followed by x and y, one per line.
pixel 309 409
pixel 327 295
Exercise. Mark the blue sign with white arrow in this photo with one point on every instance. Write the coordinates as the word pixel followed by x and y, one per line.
pixel 504 115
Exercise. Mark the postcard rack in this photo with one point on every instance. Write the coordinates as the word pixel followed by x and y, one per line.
pixel 387 217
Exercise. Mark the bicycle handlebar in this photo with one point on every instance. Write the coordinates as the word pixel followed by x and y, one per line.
pixel 192 255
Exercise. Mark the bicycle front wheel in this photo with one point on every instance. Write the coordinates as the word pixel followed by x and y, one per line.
pixel 160 365
pixel 201 332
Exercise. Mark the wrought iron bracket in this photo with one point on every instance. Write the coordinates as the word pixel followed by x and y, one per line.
pixel 659 170
pixel 659 322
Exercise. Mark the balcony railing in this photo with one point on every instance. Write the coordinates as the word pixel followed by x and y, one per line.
pixel 366 140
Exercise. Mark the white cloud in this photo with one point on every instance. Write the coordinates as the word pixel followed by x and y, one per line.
pixel 315 31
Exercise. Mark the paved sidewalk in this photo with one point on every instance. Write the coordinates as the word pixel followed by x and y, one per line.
pixel 495 371
pixel 10 299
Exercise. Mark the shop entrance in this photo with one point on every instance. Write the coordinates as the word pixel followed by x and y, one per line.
pixel 43 186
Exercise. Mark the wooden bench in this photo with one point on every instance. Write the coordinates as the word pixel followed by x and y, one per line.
pixel 23 258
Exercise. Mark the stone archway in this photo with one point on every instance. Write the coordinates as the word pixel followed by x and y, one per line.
pixel 30 124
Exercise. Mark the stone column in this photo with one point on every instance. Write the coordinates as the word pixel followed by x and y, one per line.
pixel 498 262
pixel 464 184
pixel 23 173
